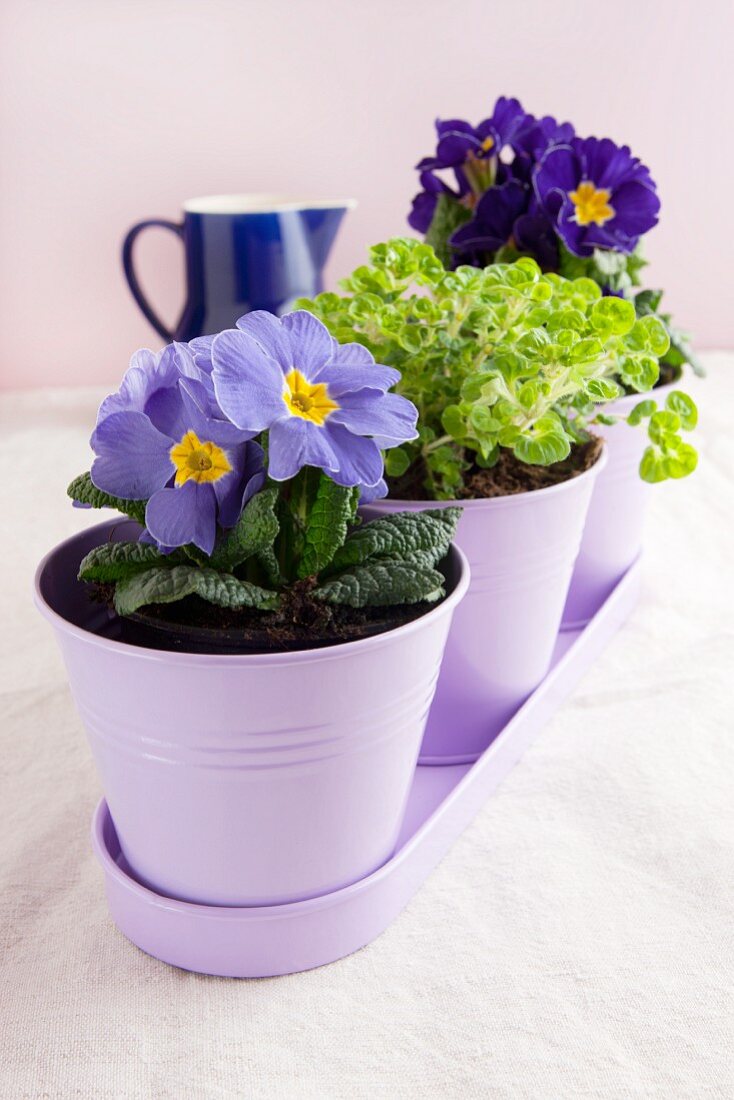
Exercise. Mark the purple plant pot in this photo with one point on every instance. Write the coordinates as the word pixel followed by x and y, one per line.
pixel 612 538
pixel 521 550
pixel 245 780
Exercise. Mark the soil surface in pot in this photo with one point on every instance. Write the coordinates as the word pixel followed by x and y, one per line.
pixel 507 477
pixel 194 626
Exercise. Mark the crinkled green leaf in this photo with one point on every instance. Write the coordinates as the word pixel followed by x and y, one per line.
pixel 545 444
pixel 255 530
pixel 602 389
pixel 422 537
pixel 382 584
pixel 84 491
pixel 114 561
pixel 684 407
pixel 329 517
pixel 641 411
pixel 397 462
pixel 169 585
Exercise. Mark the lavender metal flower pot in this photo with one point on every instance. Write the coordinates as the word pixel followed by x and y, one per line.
pixel 521 550
pixel 245 780
pixel 612 538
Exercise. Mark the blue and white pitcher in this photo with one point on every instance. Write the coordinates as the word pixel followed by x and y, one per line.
pixel 243 252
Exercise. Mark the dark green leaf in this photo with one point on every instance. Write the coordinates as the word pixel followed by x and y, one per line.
pixel 114 561
pixel 382 584
pixel 84 491
pixel 448 216
pixel 328 521
pixel 255 530
pixel 168 585
pixel 421 537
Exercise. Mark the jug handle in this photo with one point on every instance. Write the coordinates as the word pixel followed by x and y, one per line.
pixel 132 279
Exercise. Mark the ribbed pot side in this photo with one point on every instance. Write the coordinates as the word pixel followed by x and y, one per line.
pixel 250 780
pixel 614 529
pixel 521 551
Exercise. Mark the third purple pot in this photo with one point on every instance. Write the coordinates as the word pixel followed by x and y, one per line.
pixel 521 549
pixel 612 538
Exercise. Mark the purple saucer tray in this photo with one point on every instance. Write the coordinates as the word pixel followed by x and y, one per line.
pixel 264 941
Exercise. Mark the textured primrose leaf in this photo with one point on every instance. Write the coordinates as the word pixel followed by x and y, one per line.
pixel 448 216
pixel 382 584
pixel 83 491
pixel 421 538
pixel 114 561
pixel 161 585
pixel 331 513
pixel 255 531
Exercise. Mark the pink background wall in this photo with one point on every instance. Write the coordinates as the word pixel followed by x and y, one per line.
pixel 115 110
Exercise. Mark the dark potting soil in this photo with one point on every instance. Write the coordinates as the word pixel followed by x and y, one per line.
pixel 506 478
pixel 302 622
pixel 668 374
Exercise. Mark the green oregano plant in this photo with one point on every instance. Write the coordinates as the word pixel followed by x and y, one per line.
pixel 505 357
pixel 244 458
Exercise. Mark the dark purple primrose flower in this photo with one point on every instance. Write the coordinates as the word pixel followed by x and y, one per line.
pixel 536 134
pixel 534 235
pixel 157 439
pixel 424 203
pixel 597 195
pixel 323 404
pixel 494 218
pixel 473 154
pixel 459 141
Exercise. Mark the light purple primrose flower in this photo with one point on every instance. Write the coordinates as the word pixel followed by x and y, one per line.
pixel 596 194
pixel 322 403
pixel 158 440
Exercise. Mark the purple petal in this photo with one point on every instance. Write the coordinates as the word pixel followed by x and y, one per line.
pixel 421 212
pixel 208 428
pixel 165 410
pixel 636 208
pixel 359 459
pixel 343 379
pixel 270 335
pixel 201 351
pixel 558 173
pixel 233 492
pixel 311 343
pixel 391 419
pixel 373 492
pixel 248 383
pixel 175 517
pixel 294 443
pixel 132 456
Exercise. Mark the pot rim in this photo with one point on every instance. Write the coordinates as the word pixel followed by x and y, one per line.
pixel 510 500
pixel 629 400
pixel 286 657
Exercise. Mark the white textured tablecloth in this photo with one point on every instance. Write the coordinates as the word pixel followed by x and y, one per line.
pixel 577 942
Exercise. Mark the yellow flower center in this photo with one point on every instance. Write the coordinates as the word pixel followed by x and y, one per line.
pixel 487 144
pixel 197 460
pixel 592 204
pixel 309 400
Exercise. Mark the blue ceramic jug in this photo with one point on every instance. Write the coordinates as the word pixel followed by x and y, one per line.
pixel 243 252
